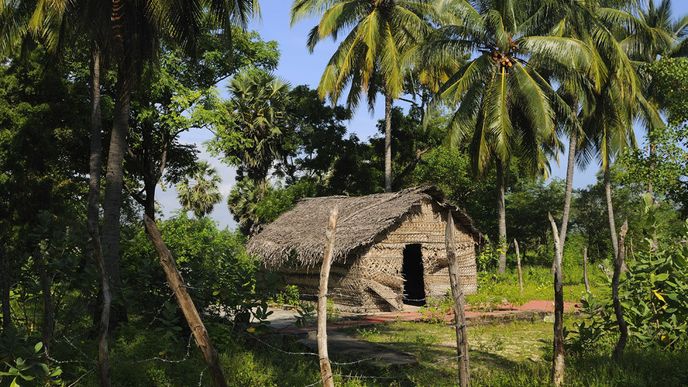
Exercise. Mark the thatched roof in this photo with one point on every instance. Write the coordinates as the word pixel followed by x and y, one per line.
pixel 300 233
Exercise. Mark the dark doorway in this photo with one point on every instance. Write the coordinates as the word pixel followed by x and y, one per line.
pixel 412 272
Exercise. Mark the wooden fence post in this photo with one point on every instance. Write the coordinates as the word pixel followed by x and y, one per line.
pixel 325 367
pixel 518 266
pixel 457 293
pixel 176 282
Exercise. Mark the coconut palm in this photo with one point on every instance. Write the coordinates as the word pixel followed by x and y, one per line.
pixel 381 38
pixel 200 192
pixel 662 35
pixel 506 105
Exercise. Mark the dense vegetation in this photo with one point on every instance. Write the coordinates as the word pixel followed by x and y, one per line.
pixel 94 101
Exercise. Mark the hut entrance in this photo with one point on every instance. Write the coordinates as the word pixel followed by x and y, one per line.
pixel 412 272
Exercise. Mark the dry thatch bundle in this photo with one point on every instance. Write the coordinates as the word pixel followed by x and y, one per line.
pixel 299 234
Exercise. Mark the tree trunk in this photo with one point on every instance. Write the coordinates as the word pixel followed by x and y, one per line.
pixel 457 294
pixel 5 290
pixel 570 168
pixel 568 194
pixel 618 309
pixel 610 208
pixel 95 165
pixel 193 319
pixel 585 269
pixel 558 366
pixel 518 266
pixel 388 143
pixel 48 323
pixel 114 184
pixel 501 205
pixel 325 367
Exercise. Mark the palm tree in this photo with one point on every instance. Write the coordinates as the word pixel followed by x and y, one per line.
pixel 506 105
pixel 201 194
pixel 381 37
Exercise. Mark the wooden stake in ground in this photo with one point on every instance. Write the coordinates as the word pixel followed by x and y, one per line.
pixel 618 309
pixel 585 269
pixel 558 366
pixel 518 266
pixel 176 283
pixel 325 367
pixel 457 294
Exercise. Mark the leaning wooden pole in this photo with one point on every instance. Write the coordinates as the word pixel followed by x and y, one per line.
pixel 558 366
pixel 176 282
pixel 325 366
pixel 518 266
pixel 618 308
pixel 457 294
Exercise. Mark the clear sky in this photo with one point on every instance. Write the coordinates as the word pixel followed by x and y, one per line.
pixel 298 66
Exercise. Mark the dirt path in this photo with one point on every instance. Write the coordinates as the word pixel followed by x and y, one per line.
pixel 283 320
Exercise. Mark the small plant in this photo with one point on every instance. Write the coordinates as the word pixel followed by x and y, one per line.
pixel 289 296
pixel 306 314
pixel 32 370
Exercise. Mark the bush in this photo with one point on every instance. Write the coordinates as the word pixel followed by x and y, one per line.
pixel 653 298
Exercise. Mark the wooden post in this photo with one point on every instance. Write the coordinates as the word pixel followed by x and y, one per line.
pixel 558 365
pixel 618 309
pixel 518 266
pixel 325 367
pixel 176 282
pixel 457 293
pixel 585 269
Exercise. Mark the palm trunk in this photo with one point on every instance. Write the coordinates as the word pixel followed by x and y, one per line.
pixel 5 290
pixel 501 205
pixel 388 143
pixel 114 179
pixel 618 308
pixel 95 165
pixel 45 280
pixel 568 195
pixel 610 208
pixel 558 355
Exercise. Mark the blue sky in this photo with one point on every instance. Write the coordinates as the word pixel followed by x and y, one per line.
pixel 298 66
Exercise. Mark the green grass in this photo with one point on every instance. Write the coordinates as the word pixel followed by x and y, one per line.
pixel 496 289
pixel 516 354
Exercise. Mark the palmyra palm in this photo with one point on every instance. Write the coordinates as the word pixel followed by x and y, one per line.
pixel 201 192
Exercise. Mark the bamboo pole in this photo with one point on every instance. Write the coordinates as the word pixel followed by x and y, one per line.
pixel 186 304
pixel 457 293
pixel 325 366
pixel 518 266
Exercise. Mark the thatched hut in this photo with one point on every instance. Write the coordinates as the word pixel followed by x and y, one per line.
pixel 389 248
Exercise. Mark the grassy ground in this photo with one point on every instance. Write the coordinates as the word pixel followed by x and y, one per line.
pixel 515 354
pixel 495 289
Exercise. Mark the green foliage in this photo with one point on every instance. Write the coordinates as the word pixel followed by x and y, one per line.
pixel 670 85
pixel 662 164
pixel 201 194
pixel 220 274
pixel 653 298
pixel 289 296
pixel 31 369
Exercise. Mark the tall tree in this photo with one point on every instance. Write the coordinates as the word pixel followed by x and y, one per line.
pixel 506 106
pixel 381 39
pixel 136 28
